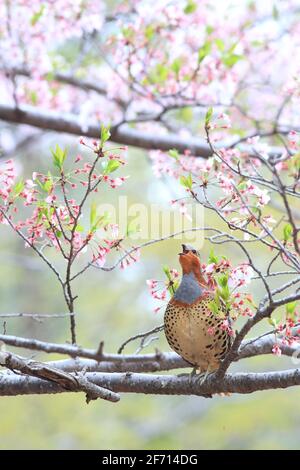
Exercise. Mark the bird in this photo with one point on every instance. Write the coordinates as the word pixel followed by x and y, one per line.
pixel 192 328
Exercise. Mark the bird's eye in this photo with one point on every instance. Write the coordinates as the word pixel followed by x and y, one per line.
pixel 194 251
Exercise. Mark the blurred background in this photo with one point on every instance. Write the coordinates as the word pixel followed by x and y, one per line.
pixel 113 306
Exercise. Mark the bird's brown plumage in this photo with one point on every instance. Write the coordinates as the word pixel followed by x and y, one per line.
pixel 192 329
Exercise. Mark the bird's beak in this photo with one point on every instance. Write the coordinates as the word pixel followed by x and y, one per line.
pixel 184 250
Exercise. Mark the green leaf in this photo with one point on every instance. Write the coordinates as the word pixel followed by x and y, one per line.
pixel 273 322
pixel 131 228
pixel 190 7
pixel 174 154
pixel 59 156
pixel 223 280
pixel 149 32
pixel 173 284
pixel 128 33
pixel 212 257
pixel 33 96
pixel 229 60
pixel 176 65
pixel 186 181
pixel 225 293
pixel 214 305
pixel 36 16
pixel 220 44
pixel 93 214
pixel 105 135
pixel 162 73
pixel 204 51
pixel 96 222
pixel 166 270
pixel 208 115
pixel 287 232
pixel 209 29
pixel 79 228
pixel 110 166
pixel 290 308
pixel 103 220
pixel 242 185
pixel 18 188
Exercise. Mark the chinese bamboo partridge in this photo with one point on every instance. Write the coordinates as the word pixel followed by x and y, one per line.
pixel 192 329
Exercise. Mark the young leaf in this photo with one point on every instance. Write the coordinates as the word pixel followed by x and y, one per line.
pixel 103 220
pixel 166 270
pixel 212 257
pixel 110 166
pixel 223 280
pixel 186 181
pixel 105 135
pixel 18 188
pixel 93 214
pixel 214 305
pixel 36 16
pixel 176 65
pixel 131 228
pixel 59 156
pixel 204 51
pixel 287 232
pixel 273 322
pixel 208 115
pixel 220 44
pixel 290 308
pixel 174 154
pixel 229 60
pixel 190 7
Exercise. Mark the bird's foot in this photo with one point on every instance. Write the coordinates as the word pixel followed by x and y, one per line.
pixel 190 375
pixel 200 377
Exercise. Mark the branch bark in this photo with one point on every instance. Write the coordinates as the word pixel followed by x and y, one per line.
pixel 68 123
pixel 64 380
pixel 243 383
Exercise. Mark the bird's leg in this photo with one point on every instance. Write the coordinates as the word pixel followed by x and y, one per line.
pixel 189 375
pixel 202 376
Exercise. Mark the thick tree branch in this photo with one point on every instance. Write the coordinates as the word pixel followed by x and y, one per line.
pixel 63 379
pixel 68 123
pixel 244 383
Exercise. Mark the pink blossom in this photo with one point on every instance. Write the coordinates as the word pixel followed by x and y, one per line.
pixel 227 327
pixel 78 158
pixel 50 199
pixel 157 309
pixel 174 273
pixel 30 184
pixel 211 331
pixel 276 350
pixel 151 283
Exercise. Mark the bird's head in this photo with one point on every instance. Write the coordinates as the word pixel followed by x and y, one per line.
pixel 189 260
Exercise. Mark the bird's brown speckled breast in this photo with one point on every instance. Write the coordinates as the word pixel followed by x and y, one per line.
pixel 186 330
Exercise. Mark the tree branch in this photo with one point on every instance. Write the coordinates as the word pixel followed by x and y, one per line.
pixel 64 380
pixel 243 383
pixel 68 123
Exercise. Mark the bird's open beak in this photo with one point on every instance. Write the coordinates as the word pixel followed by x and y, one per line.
pixel 186 249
